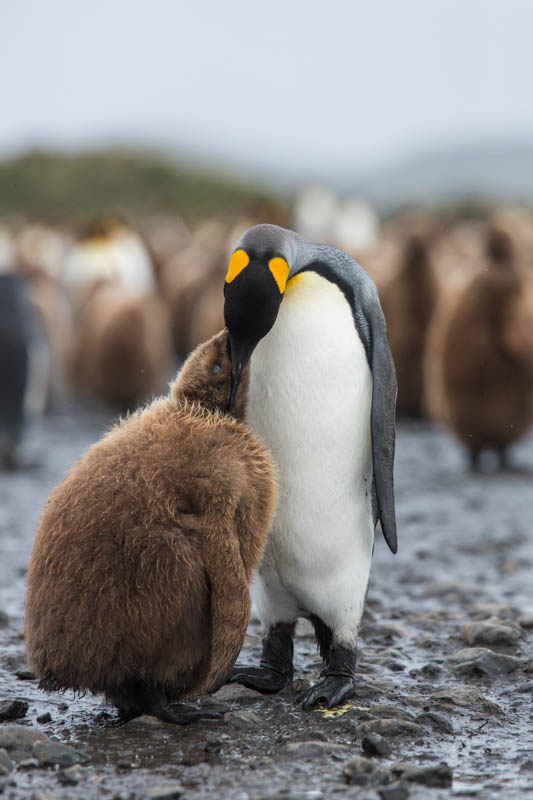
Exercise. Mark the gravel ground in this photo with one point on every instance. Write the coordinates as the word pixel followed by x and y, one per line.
pixel 445 673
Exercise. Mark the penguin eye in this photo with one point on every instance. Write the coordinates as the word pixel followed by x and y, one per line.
pixel 216 369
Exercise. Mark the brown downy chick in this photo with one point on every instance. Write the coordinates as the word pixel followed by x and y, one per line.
pixel 408 302
pixel 123 351
pixel 139 574
pixel 480 385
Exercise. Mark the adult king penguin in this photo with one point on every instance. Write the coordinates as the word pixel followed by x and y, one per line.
pixel 322 397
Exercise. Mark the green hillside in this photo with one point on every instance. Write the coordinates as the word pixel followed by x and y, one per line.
pixel 56 187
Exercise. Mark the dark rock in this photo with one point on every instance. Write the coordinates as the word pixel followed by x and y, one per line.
pixel 71 776
pixel 25 675
pixel 438 776
pixel 436 721
pixel 396 791
pixel 527 766
pixel 526 621
pixel 170 791
pixel 4 619
pixel 430 669
pixel 481 661
pixel 375 745
pixel 62 707
pixel 358 771
pixel 390 727
pixel 13 709
pixel 313 749
pixel 51 754
pixel 45 718
pixel 492 633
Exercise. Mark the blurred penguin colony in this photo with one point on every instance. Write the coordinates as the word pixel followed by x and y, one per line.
pixel 108 311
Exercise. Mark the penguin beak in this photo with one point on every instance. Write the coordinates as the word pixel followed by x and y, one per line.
pixel 240 355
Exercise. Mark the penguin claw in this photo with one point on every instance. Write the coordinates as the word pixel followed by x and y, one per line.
pixel 261 679
pixel 333 690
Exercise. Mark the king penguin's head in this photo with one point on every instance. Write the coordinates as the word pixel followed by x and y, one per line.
pixel 255 283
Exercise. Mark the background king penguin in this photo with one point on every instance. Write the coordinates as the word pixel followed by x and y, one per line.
pixel 322 397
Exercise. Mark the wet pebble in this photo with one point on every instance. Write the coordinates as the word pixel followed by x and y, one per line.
pixel 436 721
pixel 146 721
pixel 391 728
pixel 526 621
pixel 313 749
pixel 483 611
pixel 242 719
pixel 234 692
pixel 527 766
pixel 358 771
pixel 395 791
pixel 50 754
pixel 456 590
pixel 170 791
pixel 375 745
pixel 44 718
pixel 481 661
pixel 4 619
pixel 466 697
pixel 491 632
pixel 6 765
pixel 71 776
pixel 13 709
pixel 15 737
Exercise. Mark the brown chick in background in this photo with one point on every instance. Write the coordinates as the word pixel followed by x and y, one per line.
pixel 123 351
pixel 408 300
pixel 478 374
pixel 139 573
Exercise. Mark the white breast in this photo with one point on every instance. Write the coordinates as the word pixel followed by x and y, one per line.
pixel 310 400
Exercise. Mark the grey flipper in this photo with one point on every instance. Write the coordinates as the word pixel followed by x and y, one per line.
pixel 382 420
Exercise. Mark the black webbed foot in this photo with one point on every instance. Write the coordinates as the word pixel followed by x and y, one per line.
pixel 275 670
pixel 175 714
pixel 184 714
pixel 338 676
pixel 261 679
pixel 332 689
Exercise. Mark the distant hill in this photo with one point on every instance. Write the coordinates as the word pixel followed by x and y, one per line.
pixel 53 187
pixel 502 172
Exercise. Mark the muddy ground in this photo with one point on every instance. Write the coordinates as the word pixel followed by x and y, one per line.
pixel 463 579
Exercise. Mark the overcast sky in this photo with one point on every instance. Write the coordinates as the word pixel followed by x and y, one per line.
pixel 277 85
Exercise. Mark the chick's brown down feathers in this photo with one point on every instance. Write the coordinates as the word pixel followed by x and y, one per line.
pixel 144 553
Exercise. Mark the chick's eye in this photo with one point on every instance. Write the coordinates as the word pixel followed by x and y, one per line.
pixel 216 369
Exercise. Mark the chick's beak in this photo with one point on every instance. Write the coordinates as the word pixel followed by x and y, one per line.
pixel 240 355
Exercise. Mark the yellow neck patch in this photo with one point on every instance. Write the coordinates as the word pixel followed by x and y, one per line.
pixel 280 270
pixel 238 261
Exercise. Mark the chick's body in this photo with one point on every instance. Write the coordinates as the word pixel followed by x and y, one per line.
pixel 138 580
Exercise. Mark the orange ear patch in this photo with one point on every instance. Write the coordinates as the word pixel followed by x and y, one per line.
pixel 280 270
pixel 238 261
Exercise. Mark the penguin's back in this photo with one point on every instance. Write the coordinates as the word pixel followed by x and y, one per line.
pixel 310 400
